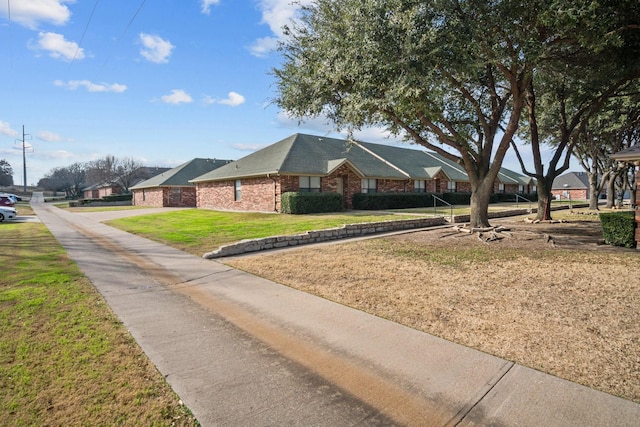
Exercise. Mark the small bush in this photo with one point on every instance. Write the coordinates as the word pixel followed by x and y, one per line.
pixel 117 198
pixel 457 198
pixel 618 228
pixel 376 201
pixel 306 203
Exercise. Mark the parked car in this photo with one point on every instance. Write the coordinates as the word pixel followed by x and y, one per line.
pixel 13 197
pixel 6 201
pixel 7 213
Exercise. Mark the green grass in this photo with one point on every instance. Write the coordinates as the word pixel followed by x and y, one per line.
pixel 198 231
pixel 65 359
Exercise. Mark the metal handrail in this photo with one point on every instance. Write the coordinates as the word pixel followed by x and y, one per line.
pixel 523 198
pixel 435 212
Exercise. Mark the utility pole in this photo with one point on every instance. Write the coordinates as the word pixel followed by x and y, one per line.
pixel 24 159
pixel 24 163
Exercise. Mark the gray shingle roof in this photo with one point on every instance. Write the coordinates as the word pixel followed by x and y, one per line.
pixel 302 154
pixel 571 180
pixel 630 154
pixel 180 175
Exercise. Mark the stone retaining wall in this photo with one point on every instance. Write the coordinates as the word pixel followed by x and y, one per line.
pixel 346 231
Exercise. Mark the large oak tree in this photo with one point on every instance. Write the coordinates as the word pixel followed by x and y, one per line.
pixel 450 76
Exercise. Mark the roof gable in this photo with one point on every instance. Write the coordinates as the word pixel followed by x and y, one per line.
pixel 180 175
pixel 572 180
pixel 302 154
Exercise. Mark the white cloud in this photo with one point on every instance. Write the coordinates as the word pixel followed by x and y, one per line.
pixel 276 14
pixel 248 147
pixel 30 13
pixel 155 49
pixel 90 86
pixel 206 5
pixel 58 47
pixel 5 129
pixel 177 96
pixel 264 46
pixel 233 99
pixel 48 136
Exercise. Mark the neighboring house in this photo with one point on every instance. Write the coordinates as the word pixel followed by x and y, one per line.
pixel 172 187
pixel 319 164
pixel 102 189
pixel 107 188
pixel 573 185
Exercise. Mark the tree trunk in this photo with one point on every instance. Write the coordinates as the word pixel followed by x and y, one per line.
pixel 593 191
pixel 611 191
pixel 480 197
pixel 544 200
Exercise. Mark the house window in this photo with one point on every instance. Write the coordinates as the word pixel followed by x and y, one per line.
pixel 369 185
pixel 419 186
pixel 521 188
pixel 237 190
pixel 310 184
pixel 500 188
pixel 451 186
pixel 144 195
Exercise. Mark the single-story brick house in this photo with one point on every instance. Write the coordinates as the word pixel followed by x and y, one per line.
pixel 172 188
pixel 101 189
pixel 108 188
pixel 320 164
pixel 574 185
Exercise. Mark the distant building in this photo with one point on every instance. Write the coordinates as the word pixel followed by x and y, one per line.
pixel 172 188
pixel 573 185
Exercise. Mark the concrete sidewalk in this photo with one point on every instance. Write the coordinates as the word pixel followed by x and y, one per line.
pixel 241 350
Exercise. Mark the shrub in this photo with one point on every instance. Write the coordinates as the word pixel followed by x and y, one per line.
pixel 306 203
pixel 117 198
pixel 457 198
pixel 618 228
pixel 511 197
pixel 376 201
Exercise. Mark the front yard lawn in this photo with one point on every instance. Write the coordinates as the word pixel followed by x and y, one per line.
pixel 198 231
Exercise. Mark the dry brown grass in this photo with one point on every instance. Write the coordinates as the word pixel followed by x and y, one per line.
pixel 571 309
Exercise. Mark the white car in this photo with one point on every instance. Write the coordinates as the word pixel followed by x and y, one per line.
pixel 7 213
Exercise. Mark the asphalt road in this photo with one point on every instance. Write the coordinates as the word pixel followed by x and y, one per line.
pixel 242 351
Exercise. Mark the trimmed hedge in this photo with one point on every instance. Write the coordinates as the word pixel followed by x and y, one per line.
pixel 618 228
pixel 378 201
pixel 381 201
pixel 108 199
pixel 306 203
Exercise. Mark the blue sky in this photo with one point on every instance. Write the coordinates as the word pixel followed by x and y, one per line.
pixel 160 81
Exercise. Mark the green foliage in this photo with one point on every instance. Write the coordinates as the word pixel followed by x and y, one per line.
pixel 107 199
pixel 378 201
pixel 511 197
pixel 6 173
pixel 306 203
pixel 618 228
pixel 117 198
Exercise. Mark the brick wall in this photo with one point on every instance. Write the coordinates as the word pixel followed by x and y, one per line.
pixel 257 194
pixel 152 197
pixel 576 194
pixel 395 186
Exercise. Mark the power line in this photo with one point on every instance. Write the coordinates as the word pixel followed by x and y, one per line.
pixel 125 30
pixel 95 5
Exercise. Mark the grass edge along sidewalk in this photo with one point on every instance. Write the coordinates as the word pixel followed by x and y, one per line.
pixel 65 359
